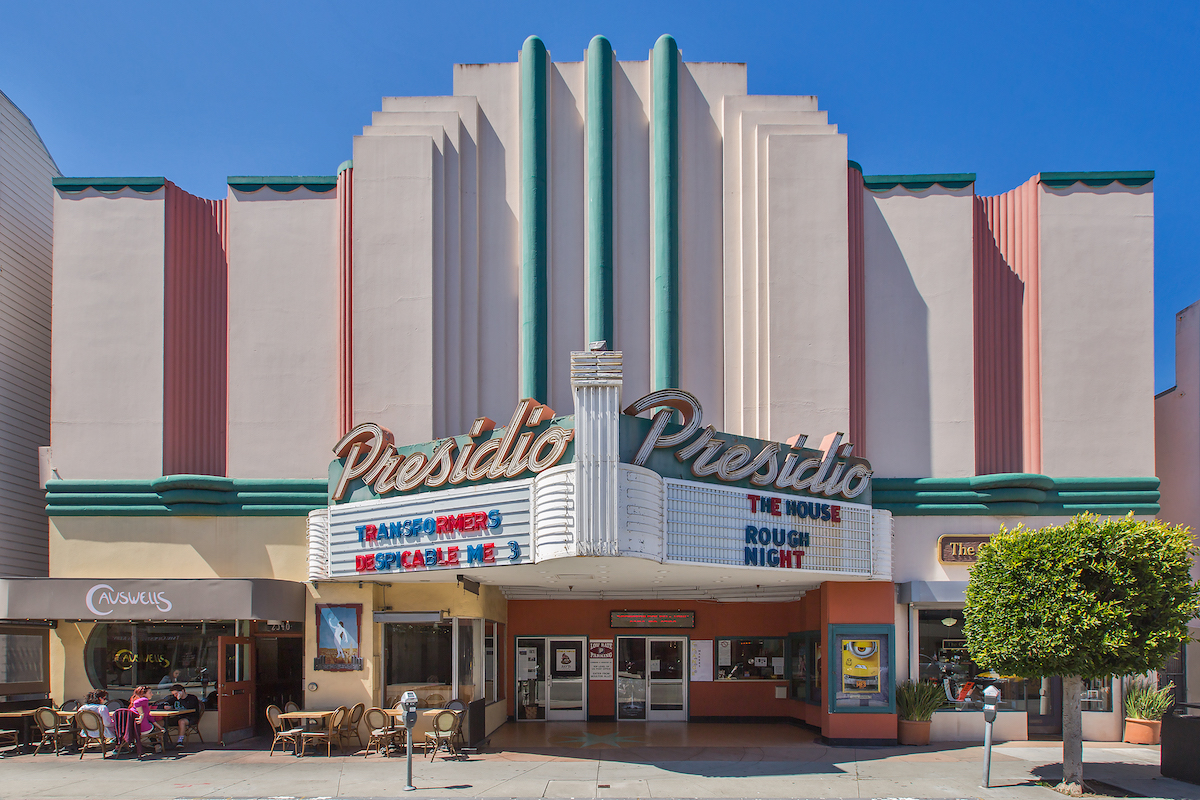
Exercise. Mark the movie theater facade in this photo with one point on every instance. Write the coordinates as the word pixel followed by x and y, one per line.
pixel 599 389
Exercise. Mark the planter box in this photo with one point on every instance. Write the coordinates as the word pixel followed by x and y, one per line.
pixel 1142 731
pixel 912 731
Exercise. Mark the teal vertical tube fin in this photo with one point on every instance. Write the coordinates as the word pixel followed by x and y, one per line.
pixel 665 147
pixel 600 325
pixel 534 304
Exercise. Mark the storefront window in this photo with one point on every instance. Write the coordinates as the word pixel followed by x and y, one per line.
pixel 21 658
pixel 1097 695
pixel 419 658
pixel 120 656
pixel 943 658
pixel 750 659
pixel 466 659
pixel 493 662
pixel 799 660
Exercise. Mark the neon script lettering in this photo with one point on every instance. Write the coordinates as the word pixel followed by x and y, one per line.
pixel 830 471
pixel 370 454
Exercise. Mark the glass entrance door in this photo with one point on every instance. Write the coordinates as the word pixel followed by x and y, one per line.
pixel 552 678
pixel 651 681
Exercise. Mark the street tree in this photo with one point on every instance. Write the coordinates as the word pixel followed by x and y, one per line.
pixel 1092 598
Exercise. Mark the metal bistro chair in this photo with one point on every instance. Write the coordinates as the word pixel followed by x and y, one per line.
pixel 91 732
pixel 382 735
pixel 70 705
pixel 332 724
pixel 10 738
pixel 444 725
pixel 290 706
pixel 283 735
pixel 54 731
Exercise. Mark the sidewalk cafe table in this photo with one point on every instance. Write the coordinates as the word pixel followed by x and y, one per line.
pixel 166 715
pixel 424 722
pixel 319 716
pixel 25 720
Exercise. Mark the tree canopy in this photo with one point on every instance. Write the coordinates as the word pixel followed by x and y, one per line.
pixel 1093 597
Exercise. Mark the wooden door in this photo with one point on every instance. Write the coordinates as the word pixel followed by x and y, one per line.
pixel 235 688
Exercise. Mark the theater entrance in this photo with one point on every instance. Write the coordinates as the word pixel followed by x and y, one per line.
pixel 651 681
pixel 551 678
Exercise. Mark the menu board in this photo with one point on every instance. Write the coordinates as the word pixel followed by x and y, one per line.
pixel 652 619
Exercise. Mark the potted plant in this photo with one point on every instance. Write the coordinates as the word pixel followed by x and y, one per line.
pixel 915 703
pixel 1145 705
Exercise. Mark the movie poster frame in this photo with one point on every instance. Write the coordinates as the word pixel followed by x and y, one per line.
pixel 834 666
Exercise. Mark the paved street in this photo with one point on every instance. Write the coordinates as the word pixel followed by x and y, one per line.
pixel 567 760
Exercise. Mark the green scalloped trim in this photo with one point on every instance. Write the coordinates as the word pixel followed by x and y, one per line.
pixel 917 183
pixel 854 165
pixel 345 165
pixel 186 495
pixel 109 185
pixel 1061 180
pixel 1015 494
pixel 282 183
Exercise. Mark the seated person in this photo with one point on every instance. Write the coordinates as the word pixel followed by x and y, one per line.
pixel 172 677
pixel 184 701
pixel 97 701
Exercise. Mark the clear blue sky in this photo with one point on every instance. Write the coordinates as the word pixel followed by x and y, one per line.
pixel 199 91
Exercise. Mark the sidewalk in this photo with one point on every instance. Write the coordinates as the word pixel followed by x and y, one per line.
pixel 599 763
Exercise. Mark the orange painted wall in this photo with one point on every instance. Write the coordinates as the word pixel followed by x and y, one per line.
pixel 863 604
pixel 831 604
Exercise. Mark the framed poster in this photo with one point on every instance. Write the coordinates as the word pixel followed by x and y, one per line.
pixel 862 679
pixel 339 631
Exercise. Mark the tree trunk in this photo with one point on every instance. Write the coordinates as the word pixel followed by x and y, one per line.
pixel 1072 732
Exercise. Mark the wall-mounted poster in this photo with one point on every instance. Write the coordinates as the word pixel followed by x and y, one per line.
pixel 862 667
pixel 600 659
pixel 702 659
pixel 339 632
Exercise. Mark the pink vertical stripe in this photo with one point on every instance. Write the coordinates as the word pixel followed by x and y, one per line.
pixel 858 335
pixel 1008 430
pixel 345 190
pixel 195 334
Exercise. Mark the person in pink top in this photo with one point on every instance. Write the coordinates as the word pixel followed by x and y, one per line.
pixel 139 703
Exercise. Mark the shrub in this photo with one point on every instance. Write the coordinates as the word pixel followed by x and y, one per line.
pixel 1144 700
pixel 917 701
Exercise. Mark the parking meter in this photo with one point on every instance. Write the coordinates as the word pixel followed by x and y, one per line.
pixel 991 698
pixel 408 703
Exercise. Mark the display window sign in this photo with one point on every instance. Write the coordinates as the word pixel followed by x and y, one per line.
pixel 862 680
pixel 369 465
pixel 693 451
pixel 600 659
pixel 480 526
pixel 710 525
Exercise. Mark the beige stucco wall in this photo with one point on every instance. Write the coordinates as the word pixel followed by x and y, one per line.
pixel 920 413
pixel 1097 339
pixel 179 547
pixel 283 333
pixel 106 399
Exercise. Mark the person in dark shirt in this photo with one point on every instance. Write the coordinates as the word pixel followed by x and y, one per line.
pixel 183 701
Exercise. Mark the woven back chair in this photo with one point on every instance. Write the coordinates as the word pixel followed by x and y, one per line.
pixel 54 732
pixel 283 734
pixel 382 735
pixel 91 732
pixel 290 706
pixel 350 724
pixel 328 734
pixel 442 734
